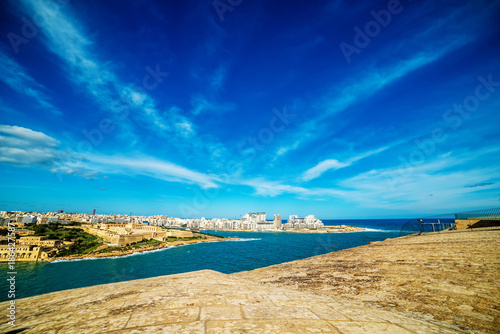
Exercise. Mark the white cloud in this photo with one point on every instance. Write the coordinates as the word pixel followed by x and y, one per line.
pixel 24 147
pixel 200 104
pixel 66 38
pixel 445 178
pixel 373 78
pixel 322 167
pixel 441 184
pixel 265 187
pixel 21 146
pixel 137 164
pixel 20 133
pixel 332 164
pixel 185 128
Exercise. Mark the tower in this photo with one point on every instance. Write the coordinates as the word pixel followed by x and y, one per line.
pixel 277 222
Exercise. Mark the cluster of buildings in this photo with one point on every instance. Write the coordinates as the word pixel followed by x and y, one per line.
pixel 254 221
pixel 84 218
pixel 29 247
pixel 309 222
pixel 122 234
pixel 118 230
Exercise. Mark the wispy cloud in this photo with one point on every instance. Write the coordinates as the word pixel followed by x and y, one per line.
pixel 65 38
pixel 24 147
pixel 322 167
pixel 28 136
pixel 480 184
pixel 373 78
pixel 268 188
pixel 18 79
pixel 332 164
pixel 148 166
pixel 428 186
pixel 445 177
pixel 201 104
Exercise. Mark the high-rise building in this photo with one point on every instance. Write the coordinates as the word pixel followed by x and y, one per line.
pixel 277 222
pixel 93 212
pixel 29 219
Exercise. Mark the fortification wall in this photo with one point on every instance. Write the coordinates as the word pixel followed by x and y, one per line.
pixel 179 234
pixel 122 240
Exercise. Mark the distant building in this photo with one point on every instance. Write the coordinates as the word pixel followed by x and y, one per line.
pixel 40 241
pixel 5 221
pixel 93 212
pixel 254 217
pixel 301 223
pixel 254 220
pixel 277 222
pixel 29 219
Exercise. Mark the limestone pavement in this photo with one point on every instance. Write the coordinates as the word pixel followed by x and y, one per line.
pixel 204 302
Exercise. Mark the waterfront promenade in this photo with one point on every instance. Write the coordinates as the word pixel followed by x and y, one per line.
pixel 435 283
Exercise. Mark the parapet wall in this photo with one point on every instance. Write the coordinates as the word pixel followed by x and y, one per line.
pixel 463 224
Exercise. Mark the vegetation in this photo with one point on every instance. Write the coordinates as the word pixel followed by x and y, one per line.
pixel 83 242
pixel 133 245
pixel 57 231
pixel 209 234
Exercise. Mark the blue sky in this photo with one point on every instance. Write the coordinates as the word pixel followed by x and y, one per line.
pixel 219 108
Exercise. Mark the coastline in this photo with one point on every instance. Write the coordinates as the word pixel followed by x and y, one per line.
pixel 326 229
pixel 117 253
pixel 143 249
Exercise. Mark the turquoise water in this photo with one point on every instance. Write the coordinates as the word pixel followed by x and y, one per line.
pixel 255 250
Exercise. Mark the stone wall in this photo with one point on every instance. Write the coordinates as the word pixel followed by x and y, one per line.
pixel 463 224
pixel 179 234
pixel 122 240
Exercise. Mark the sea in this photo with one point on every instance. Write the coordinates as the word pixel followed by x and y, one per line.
pixel 253 250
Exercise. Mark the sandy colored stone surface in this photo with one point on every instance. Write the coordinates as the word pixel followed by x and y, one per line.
pixel 451 277
pixel 204 302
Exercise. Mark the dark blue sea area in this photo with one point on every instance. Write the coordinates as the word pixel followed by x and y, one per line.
pixel 254 250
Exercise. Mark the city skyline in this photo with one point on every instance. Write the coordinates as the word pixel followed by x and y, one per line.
pixel 216 108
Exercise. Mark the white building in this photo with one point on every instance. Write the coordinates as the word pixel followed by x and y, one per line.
pixel 29 219
pixel 301 223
